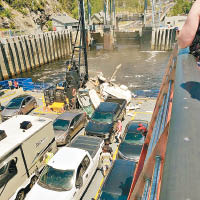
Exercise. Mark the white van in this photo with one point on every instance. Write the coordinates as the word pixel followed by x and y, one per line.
pixel 24 142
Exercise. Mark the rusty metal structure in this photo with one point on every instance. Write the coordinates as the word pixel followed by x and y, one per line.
pixel 149 172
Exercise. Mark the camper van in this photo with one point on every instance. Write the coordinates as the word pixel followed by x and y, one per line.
pixel 24 143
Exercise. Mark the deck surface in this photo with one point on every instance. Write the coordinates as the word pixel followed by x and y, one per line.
pixel 143 113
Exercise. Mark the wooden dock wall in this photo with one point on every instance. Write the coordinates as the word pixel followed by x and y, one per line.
pixel 24 53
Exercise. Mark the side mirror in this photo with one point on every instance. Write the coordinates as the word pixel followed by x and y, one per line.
pixel 79 182
pixel 72 127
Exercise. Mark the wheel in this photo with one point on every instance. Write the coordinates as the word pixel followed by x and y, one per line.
pixel 112 138
pixel 33 181
pixel 20 195
pixel 67 139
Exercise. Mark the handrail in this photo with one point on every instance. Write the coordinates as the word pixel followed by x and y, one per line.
pixel 155 178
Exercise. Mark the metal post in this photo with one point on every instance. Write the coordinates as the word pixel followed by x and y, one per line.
pixel 145 12
pixel 105 20
pixel 84 36
pixel 89 11
pixel 153 13
pixel 111 12
pixel 114 13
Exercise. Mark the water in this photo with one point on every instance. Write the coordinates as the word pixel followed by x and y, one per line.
pixel 140 70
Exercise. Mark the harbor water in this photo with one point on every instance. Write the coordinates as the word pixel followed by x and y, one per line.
pixel 141 70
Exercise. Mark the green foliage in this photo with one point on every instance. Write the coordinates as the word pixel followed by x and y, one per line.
pixel 21 5
pixel 6 13
pixel 181 7
pixel 49 25
pixel 12 25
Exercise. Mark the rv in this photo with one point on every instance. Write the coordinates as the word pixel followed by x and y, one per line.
pixel 24 143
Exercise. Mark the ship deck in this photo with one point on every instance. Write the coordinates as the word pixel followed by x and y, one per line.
pixel 144 112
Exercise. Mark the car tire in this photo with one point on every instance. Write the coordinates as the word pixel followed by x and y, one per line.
pixel 20 195
pixel 33 181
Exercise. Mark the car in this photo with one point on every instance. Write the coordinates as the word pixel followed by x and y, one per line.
pixel 103 122
pixel 132 141
pixel 67 125
pixel 118 182
pixel 19 105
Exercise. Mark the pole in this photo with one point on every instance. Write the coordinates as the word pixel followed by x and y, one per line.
pixel 105 21
pixel 110 12
pixel 145 12
pixel 153 12
pixel 114 13
pixel 83 34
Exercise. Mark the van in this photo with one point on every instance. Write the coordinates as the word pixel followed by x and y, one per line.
pixel 24 142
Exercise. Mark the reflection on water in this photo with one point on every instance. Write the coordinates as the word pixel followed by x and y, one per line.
pixel 140 69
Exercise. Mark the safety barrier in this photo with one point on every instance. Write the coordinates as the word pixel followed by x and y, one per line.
pixel 24 53
pixel 147 180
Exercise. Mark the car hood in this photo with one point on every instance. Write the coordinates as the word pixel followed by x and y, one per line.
pixel 94 127
pixel 58 133
pixel 130 151
pixel 9 112
pixel 38 192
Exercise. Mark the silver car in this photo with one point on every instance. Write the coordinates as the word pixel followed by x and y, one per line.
pixel 67 125
pixel 19 105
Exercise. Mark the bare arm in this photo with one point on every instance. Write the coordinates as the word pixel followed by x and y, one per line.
pixel 187 34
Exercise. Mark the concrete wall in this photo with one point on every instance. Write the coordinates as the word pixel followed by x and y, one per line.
pixel 163 39
pixel 24 53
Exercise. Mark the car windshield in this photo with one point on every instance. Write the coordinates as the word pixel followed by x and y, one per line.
pixel 61 124
pixel 57 179
pixel 15 103
pixel 134 138
pixel 102 117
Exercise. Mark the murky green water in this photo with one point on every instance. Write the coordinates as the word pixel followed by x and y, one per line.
pixel 140 70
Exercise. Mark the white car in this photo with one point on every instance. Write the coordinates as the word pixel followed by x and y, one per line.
pixel 67 174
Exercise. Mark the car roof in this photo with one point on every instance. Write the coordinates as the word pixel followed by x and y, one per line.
pixel 134 124
pixel 67 158
pixel 107 107
pixel 22 96
pixel 120 178
pixel 69 115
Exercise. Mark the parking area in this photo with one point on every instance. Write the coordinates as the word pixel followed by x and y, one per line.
pixel 143 112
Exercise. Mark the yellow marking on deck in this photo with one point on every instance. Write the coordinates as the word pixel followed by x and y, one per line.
pixel 143 112
pixel 134 114
pixel 5 96
pixel 101 182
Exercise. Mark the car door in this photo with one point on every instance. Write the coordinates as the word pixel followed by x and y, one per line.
pixel 79 120
pixel 84 176
pixel 23 107
pixel 29 103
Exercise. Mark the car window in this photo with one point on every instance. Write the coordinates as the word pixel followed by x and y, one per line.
pixel 14 103
pixel 72 123
pixel 85 163
pixel 76 119
pixel 28 99
pixel 23 103
pixel 7 172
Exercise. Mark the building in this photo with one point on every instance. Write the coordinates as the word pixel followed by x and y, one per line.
pixel 98 18
pixel 64 21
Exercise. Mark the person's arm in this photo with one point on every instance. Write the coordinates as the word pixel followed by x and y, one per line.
pixel 187 33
